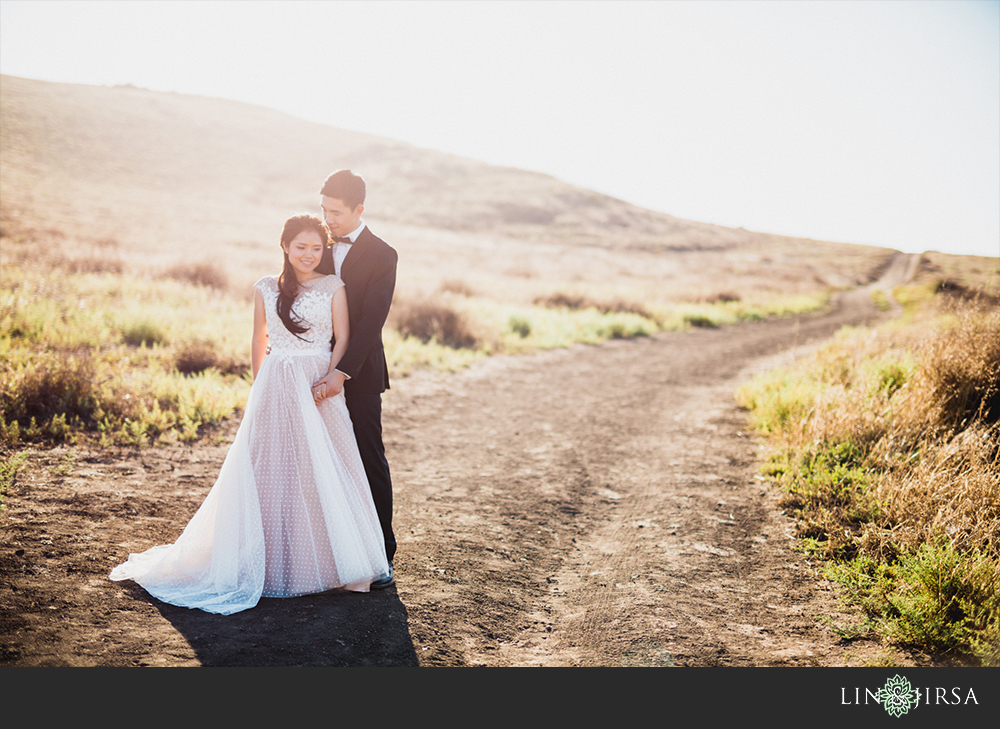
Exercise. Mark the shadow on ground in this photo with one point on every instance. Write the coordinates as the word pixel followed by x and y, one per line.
pixel 329 629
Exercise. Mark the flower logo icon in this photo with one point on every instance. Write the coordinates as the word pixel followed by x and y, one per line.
pixel 898 696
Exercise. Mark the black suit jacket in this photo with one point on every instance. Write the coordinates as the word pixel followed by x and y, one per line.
pixel 369 275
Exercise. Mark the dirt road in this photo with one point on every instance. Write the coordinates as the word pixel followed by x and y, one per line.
pixel 592 506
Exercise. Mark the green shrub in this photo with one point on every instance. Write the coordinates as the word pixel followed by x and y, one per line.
pixel 520 326
pixel 880 299
pixel 699 320
pixel 933 597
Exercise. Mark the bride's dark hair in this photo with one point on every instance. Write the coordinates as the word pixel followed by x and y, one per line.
pixel 288 282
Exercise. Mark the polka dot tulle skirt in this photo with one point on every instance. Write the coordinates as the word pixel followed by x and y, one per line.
pixel 290 513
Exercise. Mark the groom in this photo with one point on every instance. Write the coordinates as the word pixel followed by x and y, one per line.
pixel 367 266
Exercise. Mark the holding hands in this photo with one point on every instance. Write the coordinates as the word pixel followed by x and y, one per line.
pixel 330 386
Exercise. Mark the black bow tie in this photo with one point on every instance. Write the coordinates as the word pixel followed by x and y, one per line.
pixel 344 239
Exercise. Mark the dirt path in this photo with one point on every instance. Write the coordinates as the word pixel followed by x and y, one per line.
pixel 590 506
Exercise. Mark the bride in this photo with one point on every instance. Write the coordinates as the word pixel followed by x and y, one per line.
pixel 291 512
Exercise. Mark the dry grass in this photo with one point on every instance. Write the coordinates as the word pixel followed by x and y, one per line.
pixel 93 356
pixel 199 274
pixel 73 396
pixel 888 445
pixel 974 273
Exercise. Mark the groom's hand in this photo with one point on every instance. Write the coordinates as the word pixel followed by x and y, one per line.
pixel 329 386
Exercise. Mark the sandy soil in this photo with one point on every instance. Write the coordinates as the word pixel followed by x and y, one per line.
pixel 593 506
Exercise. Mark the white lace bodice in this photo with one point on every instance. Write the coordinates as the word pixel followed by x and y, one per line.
pixel 312 308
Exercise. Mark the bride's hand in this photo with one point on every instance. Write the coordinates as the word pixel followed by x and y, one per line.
pixel 329 386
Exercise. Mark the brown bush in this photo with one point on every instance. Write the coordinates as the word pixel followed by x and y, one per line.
pixel 60 386
pixel 195 357
pixel 620 306
pixel 723 297
pixel 201 355
pixel 561 300
pixel 576 302
pixel 199 274
pixel 956 290
pixel 94 265
pixel 431 321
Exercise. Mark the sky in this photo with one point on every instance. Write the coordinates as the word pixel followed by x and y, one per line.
pixel 864 121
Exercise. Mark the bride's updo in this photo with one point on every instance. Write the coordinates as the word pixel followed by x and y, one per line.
pixel 288 282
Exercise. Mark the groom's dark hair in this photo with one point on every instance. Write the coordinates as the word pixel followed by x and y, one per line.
pixel 347 186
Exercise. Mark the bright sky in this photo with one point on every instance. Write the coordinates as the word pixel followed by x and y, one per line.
pixel 874 122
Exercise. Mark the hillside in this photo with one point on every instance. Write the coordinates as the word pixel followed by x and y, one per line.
pixel 174 175
pixel 200 149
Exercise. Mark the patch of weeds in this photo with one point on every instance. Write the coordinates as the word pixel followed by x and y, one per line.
pixel 66 464
pixel 829 493
pixel 883 658
pixel 847 632
pixel 143 334
pixel 623 330
pixel 891 378
pixel 934 597
pixel 880 299
pixel 699 320
pixel 520 326
pixel 9 468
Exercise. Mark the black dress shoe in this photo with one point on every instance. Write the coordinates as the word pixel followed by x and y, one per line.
pixel 384 582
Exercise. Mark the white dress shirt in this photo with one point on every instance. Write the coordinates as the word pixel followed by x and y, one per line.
pixel 340 250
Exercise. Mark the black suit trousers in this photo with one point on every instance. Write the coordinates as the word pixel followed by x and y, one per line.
pixel 366 416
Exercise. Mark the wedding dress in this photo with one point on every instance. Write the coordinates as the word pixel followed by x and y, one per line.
pixel 291 512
